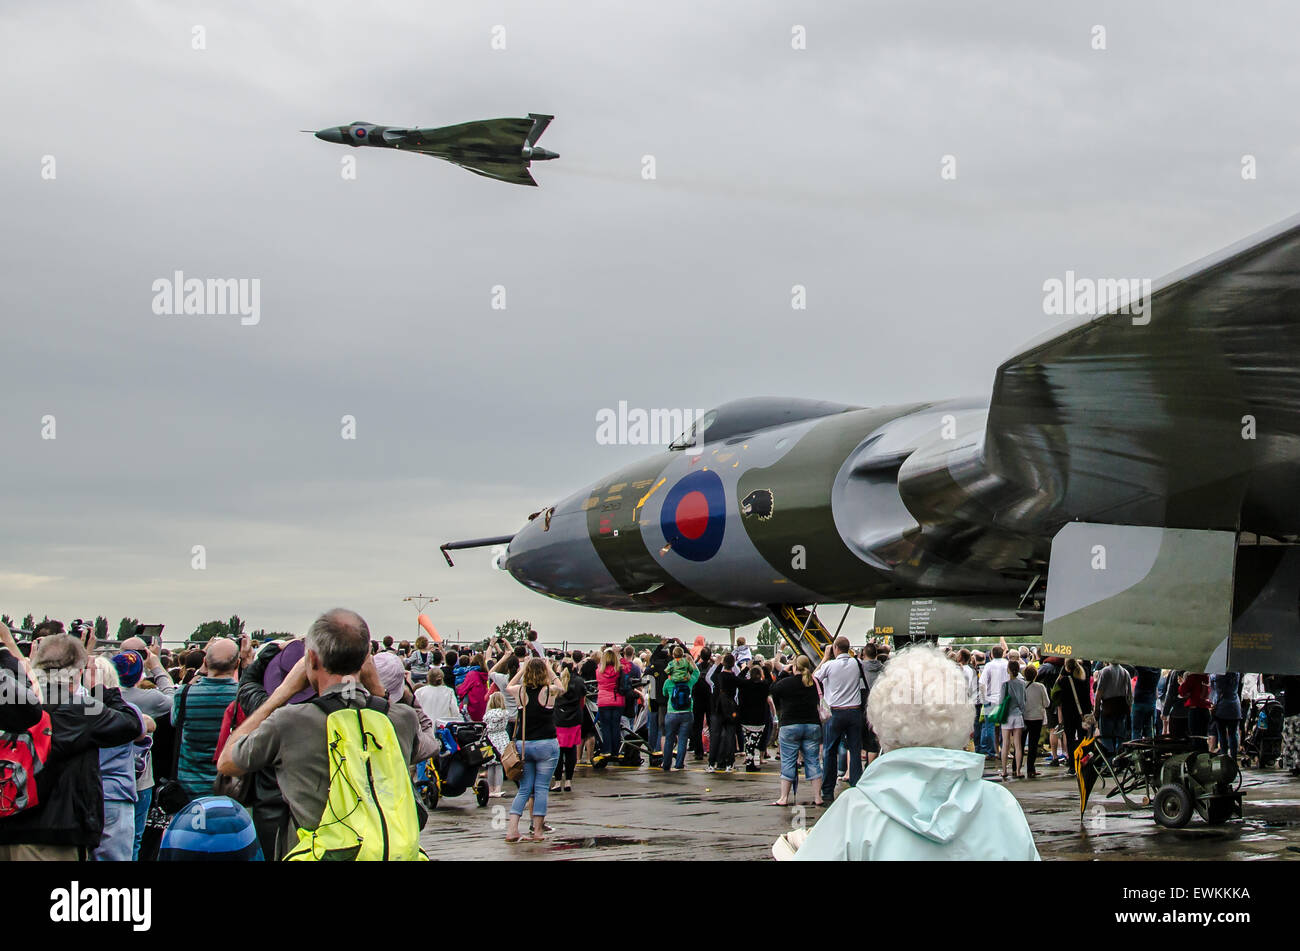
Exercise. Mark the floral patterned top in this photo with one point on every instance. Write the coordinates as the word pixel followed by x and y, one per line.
pixel 495 720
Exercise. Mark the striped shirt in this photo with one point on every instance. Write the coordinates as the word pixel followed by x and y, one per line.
pixel 206 700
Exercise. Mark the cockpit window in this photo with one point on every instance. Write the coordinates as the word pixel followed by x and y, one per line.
pixel 699 427
pixel 742 417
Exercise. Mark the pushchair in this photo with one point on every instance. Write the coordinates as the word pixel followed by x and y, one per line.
pixel 1262 744
pixel 634 741
pixel 465 751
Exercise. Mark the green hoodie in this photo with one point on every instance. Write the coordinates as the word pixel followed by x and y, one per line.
pixel 675 671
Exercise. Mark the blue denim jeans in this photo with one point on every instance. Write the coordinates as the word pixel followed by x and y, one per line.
pixel 988 733
pixel 1144 717
pixel 794 738
pixel 677 732
pixel 1226 730
pixel 1114 729
pixel 144 799
pixel 540 757
pixel 844 726
pixel 654 727
pixel 610 728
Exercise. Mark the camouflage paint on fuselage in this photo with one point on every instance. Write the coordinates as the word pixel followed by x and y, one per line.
pixel 800 539
pixel 798 512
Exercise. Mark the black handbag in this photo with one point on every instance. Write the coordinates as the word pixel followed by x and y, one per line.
pixel 169 795
pixel 866 695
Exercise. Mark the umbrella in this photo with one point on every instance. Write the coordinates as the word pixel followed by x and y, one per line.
pixel 1086 761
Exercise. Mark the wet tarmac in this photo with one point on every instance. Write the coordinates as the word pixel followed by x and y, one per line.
pixel 640 813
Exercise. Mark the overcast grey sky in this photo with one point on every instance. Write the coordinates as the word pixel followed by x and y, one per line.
pixel 775 167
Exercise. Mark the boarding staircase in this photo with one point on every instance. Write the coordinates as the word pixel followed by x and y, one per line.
pixel 802 630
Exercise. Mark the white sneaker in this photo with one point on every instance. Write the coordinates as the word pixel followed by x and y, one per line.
pixel 730 769
pixel 708 769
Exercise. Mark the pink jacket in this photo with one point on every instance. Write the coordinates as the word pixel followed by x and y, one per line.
pixel 607 694
pixel 473 690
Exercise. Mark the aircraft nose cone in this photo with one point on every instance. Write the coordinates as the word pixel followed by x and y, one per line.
pixel 330 135
pixel 560 561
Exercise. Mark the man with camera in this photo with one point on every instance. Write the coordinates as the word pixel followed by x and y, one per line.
pixel 67 821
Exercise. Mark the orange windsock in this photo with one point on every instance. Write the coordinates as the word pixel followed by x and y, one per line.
pixel 428 626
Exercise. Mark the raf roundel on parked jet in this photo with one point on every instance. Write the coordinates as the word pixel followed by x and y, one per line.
pixel 1129 491
pixel 503 149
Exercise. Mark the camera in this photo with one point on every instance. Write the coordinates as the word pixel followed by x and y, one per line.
pixel 80 629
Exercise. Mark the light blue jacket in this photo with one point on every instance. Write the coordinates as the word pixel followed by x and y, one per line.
pixel 922 804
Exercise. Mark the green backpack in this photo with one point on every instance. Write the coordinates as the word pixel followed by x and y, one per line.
pixel 370 815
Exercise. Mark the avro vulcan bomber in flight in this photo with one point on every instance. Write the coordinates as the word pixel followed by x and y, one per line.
pixel 495 148
pixel 1129 491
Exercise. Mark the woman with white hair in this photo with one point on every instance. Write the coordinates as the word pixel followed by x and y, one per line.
pixel 118 769
pixel 923 798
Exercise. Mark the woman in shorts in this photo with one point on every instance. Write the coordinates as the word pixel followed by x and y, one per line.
pixel 1013 725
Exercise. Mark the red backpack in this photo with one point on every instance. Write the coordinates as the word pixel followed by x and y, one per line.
pixel 22 756
pixel 230 720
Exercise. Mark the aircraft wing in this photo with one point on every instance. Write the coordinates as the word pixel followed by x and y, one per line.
pixel 482 135
pixel 503 170
pixel 1141 444
pixel 1186 417
pixel 514 172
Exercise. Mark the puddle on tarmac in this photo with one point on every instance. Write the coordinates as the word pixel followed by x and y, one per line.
pixel 594 842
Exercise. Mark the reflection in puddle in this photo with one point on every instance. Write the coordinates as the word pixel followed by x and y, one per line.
pixel 595 842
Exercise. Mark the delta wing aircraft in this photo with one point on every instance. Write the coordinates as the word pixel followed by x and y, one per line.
pixel 503 149
pixel 1129 490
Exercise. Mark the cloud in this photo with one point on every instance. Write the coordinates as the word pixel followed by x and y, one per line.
pixel 19 581
pixel 776 167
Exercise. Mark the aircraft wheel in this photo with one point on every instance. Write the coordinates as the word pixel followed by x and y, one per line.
pixel 1173 806
pixel 481 792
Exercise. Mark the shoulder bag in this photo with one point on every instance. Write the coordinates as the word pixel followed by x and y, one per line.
pixel 512 760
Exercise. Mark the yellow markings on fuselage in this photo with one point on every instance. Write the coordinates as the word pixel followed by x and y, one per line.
pixel 650 493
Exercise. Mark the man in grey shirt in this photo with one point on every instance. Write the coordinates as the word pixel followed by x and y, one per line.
pixel 292 737
pixel 1114 699
pixel 843 681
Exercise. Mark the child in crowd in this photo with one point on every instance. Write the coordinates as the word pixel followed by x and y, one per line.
pixel 743 654
pixel 495 720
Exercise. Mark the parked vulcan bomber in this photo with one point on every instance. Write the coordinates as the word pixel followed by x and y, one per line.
pixel 1127 491
pixel 494 148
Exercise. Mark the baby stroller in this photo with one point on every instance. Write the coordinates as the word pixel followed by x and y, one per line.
pixel 465 751
pixel 1263 742
pixel 633 744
